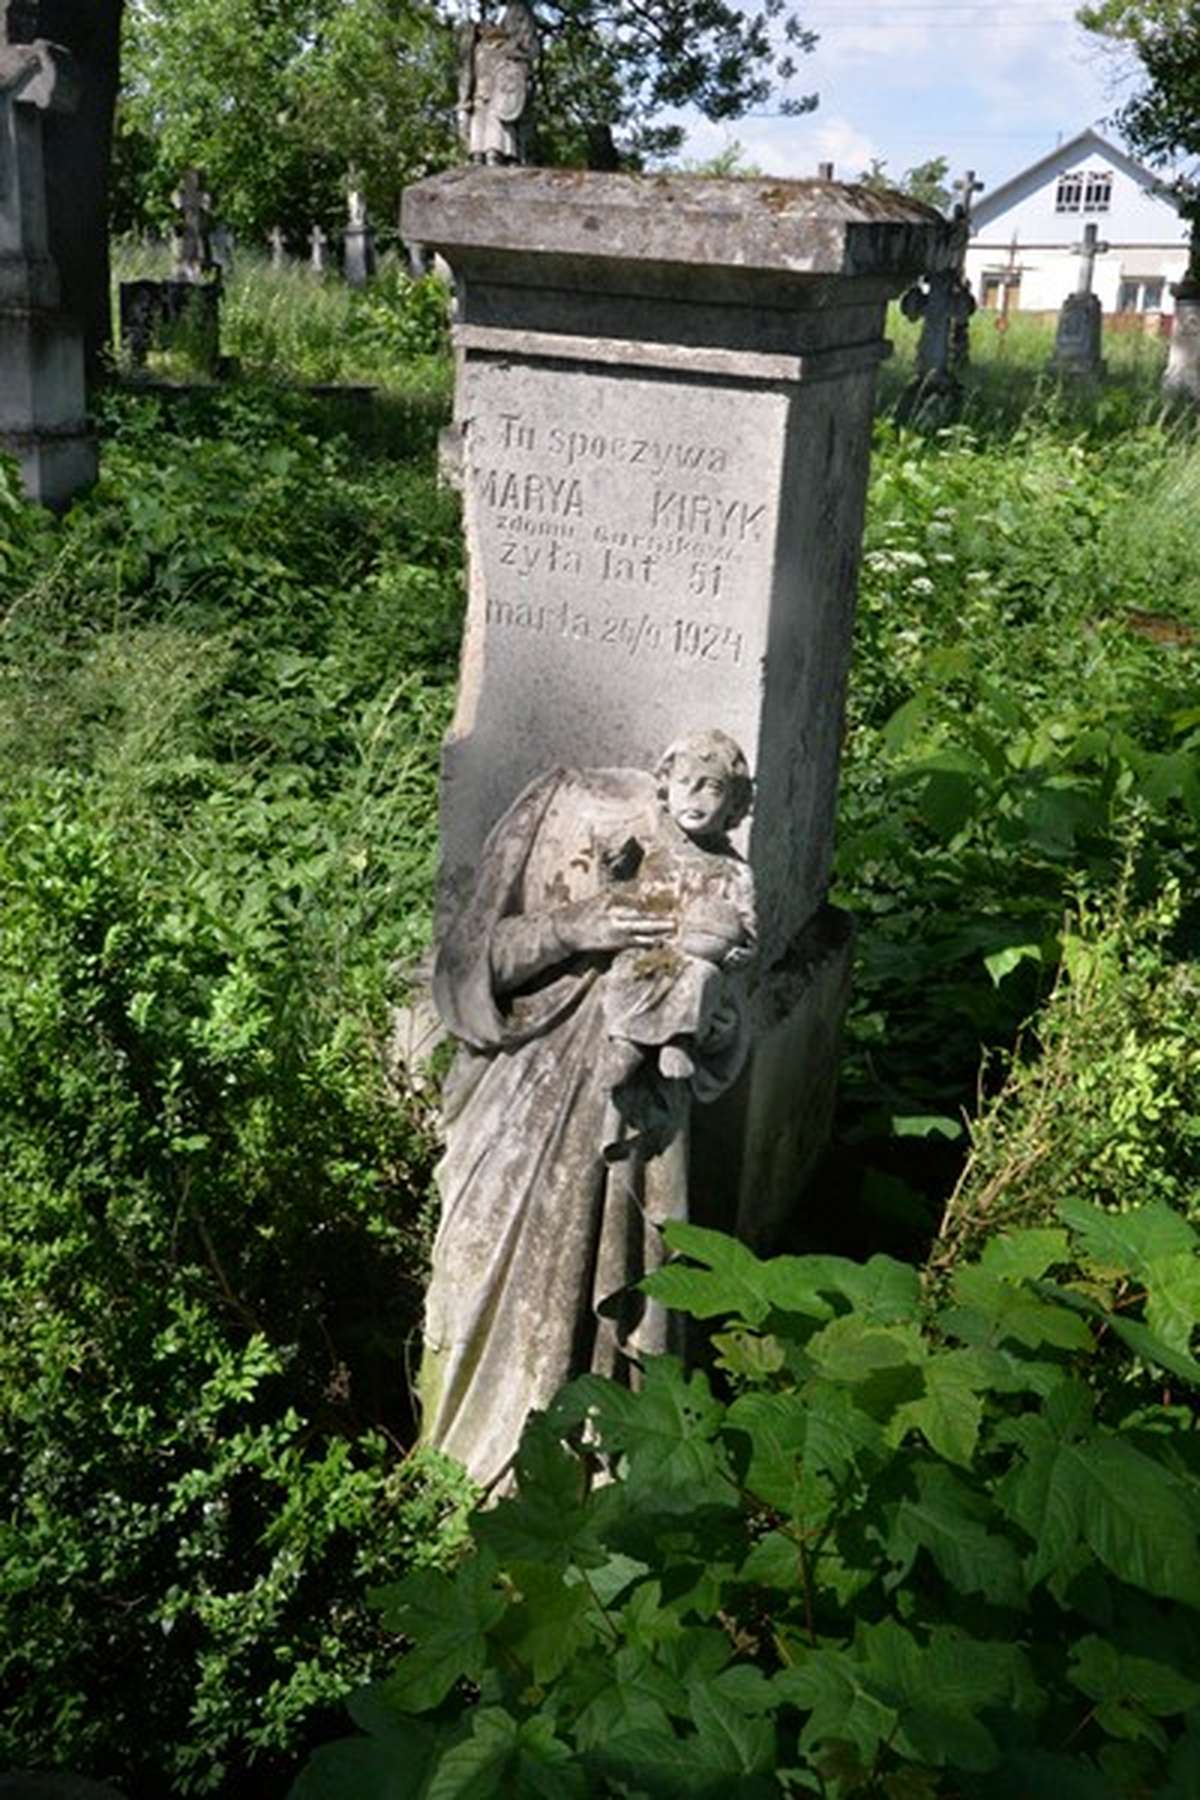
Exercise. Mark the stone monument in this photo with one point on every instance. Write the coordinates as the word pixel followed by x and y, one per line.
pixel 317 245
pixel 944 303
pixel 665 396
pixel 495 86
pixel 1182 373
pixel 192 293
pixel 358 245
pixel 277 244
pixel 42 402
pixel 1077 341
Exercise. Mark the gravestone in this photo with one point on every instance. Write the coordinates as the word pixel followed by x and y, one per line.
pixel 358 244
pixel 665 394
pixel 191 296
pixel 1077 341
pixel 317 243
pixel 1182 373
pixel 278 246
pixel 944 304
pixel 665 398
pixel 42 419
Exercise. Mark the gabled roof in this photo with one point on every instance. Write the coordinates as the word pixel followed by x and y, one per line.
pixel 1064 156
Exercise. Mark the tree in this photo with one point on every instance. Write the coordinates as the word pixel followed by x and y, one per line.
pixel 277 99
pixel 1162 119
pixel 925 181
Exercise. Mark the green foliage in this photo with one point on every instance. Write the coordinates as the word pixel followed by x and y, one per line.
pixel 916 1545
pixel 289 324
pixel 222 686
pixel 278 102
pixel 1022 731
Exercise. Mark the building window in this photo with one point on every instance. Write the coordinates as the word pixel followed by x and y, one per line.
pixel 1140 296
pixel 1070 193
pixel 1097 192
pixel 1084 191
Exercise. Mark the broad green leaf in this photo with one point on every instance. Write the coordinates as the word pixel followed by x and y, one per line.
pixel 947 1520
pixel 447 1618
pixel 1024 1255
pixel 388 1768
pixel 551 1622
pixel 881 1290
pixel 840 1702
pixel 1173 1297
pixel 733 1741
pixel 774 1561
pixel 1013 1312
pixel 616 1709
pixel 666 1431
pixel 552 1518
pixel 1002 962
pixel 939 1686
pixel 1128 1241
pixel 949 1412
pixel 667 1767
pixel 1130 1511
pixel 748 1353
pixel 851 1349
pixel 795 1440
pixel 508 1761
pixel 732 1279
pixel 922 1125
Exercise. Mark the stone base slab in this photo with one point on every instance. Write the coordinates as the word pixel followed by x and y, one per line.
pixel 55 466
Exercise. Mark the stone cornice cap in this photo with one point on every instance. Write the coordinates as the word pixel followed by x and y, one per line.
pixel 798 228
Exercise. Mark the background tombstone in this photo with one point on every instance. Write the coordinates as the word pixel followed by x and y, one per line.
pixel 944 304
pixel 278 247
pixel 358 248
pixel 665 396
pixel 1078 339
pixel 1182 373
pixel 317 242
pixel 191 295
pixel 42 417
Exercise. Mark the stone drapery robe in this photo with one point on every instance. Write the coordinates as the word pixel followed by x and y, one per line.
pixel 537 1228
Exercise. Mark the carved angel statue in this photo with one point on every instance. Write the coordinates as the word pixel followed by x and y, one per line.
pixel 496 70
pixel 591 979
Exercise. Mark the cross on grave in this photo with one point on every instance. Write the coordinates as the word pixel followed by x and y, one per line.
pixel 317 241
pixel 1087 252
pixel 965 188
pixel 193 248
pixel 278 246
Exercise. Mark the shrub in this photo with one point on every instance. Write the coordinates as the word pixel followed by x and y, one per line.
pixel 918 1547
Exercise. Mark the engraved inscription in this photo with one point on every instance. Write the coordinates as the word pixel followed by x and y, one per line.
pixel 630 633
pixel 636 545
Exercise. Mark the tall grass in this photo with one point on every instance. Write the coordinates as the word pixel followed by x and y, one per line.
pixel 293 324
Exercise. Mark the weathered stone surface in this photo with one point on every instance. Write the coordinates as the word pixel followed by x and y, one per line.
pixel 42 403
pixel 664 402
pixel 592 979
pixel 1182 375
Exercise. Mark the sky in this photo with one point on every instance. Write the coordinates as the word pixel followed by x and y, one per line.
pixel 991 85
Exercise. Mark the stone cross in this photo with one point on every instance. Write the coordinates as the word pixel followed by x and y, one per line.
pixel 1087 252
pixel 193 240
pixel 317 242
pixel 278 247
pixel 965 189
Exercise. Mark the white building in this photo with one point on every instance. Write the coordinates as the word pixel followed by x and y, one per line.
pixel 1022 252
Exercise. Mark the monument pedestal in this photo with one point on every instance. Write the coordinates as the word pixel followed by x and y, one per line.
pixel 41 394
pixel 665 391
